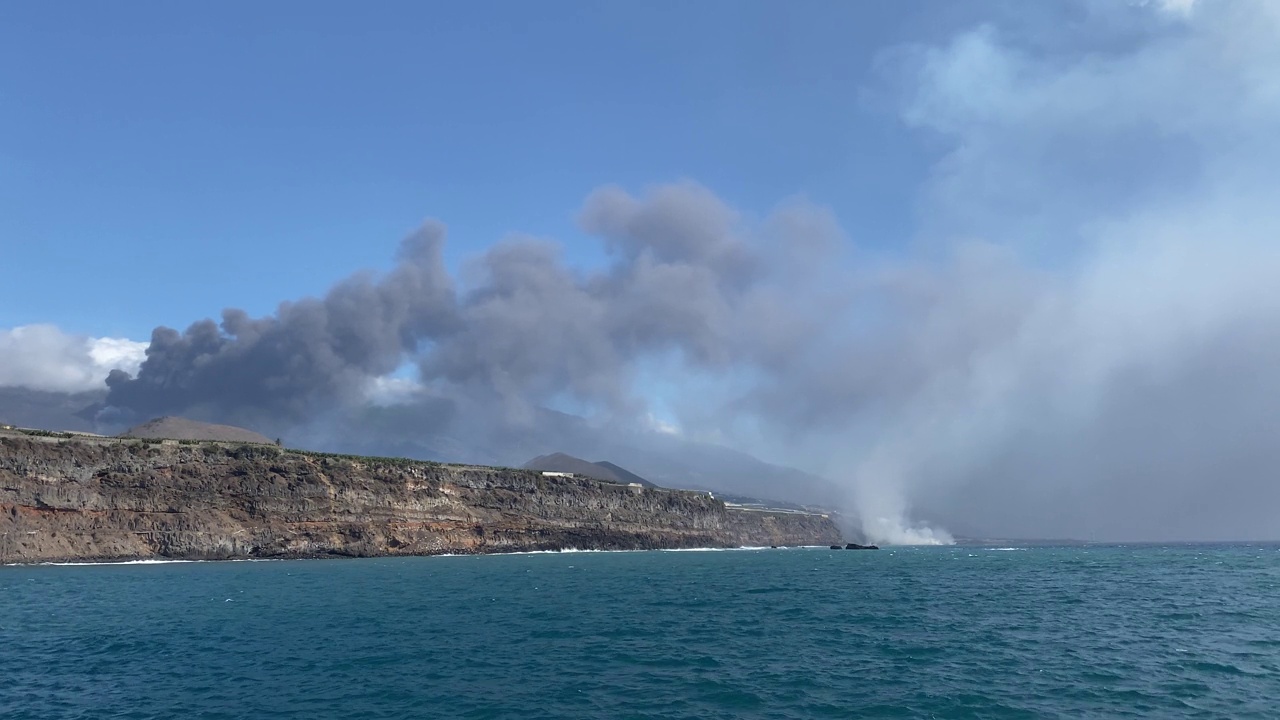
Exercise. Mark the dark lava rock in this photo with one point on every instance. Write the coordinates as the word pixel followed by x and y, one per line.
pixel 96 498
pixel 856 546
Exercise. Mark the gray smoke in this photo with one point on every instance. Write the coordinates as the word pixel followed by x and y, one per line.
pixel 308 357
pixel 1086 343
pixel 686 285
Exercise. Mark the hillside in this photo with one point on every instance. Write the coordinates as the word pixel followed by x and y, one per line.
pixel 562 462
pixel 623 474
pixel 176 428
pixel 665 460
pixel 69 498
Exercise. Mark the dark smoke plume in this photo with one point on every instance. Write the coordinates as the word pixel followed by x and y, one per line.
pixel 309 356
pixel 687 283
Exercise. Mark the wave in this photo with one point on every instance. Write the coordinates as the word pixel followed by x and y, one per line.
pixel 166 561
pixel 148 561
pixel 634 550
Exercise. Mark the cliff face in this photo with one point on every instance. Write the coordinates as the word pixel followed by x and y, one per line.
pixel 106 499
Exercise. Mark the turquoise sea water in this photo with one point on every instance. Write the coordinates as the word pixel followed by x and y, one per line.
pixel 1105 632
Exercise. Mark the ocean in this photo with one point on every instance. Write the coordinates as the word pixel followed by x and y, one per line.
pixel 954 632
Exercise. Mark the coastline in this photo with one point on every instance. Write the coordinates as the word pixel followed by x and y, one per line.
pixel 102 500
pixel 565 551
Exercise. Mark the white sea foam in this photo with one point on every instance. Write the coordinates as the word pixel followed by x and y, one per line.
pixel 154 561
pixel 577 550
pixel 121 562
pixel 148 561
pixel 711 549
pixel 556 552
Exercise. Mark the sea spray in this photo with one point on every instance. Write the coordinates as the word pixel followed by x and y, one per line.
pixel 881 507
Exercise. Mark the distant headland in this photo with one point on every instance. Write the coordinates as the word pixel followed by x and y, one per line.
pixel 176 488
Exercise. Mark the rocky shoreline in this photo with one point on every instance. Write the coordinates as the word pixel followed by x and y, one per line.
pixel 88 499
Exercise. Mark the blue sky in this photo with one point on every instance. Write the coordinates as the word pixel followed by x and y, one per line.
pixel 161 161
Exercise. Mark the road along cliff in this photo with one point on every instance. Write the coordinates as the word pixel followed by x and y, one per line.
pixel 87 498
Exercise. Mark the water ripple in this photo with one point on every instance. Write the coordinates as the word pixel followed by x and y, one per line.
pixel 1120 632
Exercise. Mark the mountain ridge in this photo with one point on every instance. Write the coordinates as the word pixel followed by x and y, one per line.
pixel 171 427
pixel 563 462
pixel 444 433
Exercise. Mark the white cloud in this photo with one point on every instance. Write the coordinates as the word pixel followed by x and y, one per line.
pixel 43 357
pixel 1182 8
pixel 392 390
pixel 659 425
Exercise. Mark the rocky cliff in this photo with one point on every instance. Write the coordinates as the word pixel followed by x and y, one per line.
pixel 80 498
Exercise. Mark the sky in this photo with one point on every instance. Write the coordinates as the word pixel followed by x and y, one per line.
pixel 245 153
pixel 995 268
